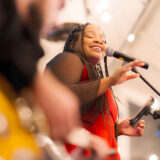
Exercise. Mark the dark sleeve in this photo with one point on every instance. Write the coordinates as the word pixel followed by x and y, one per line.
pixel 67 67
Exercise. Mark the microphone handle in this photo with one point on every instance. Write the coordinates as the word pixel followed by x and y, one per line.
pixel 135 119
pixel 123 57
pixel 143 111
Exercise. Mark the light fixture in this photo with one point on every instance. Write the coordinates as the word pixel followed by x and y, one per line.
pixel 102 5
pixel 155 105
pixel 131 37
pixel 153 157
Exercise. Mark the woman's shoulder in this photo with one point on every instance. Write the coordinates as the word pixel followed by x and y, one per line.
pixel 67 57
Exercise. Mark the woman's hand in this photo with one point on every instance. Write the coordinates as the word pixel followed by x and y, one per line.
pixel 124 128
pixel 121 75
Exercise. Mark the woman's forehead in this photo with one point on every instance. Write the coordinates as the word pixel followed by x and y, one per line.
pixel 93 29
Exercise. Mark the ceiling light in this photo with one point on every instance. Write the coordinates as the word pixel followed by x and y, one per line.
pixel 153 157
pixel 131 37
pixel 102 5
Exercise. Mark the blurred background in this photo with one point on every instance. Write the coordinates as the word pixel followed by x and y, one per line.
pixel 132 27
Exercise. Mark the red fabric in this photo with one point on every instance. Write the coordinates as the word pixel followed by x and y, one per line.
pixel 104 130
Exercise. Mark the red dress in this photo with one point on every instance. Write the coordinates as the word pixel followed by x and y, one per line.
pixel 104 125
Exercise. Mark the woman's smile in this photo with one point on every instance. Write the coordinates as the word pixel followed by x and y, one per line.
pixel 96 48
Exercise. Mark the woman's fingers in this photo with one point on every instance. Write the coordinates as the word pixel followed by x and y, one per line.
pixel 141 124
pixel 140 131
pixel 130 65
pixel 132 76
pixel 140 128
pixel 120 76
pixel 136 63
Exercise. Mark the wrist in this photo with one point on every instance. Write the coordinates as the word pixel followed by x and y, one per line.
pixel 119 130
pixel 111 80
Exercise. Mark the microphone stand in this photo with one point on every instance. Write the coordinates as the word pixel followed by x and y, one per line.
pixel 135 70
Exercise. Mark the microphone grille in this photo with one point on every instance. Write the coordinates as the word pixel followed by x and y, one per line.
pixel 109 52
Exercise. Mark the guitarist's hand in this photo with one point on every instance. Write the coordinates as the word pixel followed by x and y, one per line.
pixel 97 146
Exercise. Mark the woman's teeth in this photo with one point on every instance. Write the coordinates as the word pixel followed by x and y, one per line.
pixel 97 49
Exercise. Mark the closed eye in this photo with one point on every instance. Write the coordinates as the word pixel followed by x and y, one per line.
pixel 87 36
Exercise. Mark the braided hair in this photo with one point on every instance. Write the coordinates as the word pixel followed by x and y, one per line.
pixel 94 72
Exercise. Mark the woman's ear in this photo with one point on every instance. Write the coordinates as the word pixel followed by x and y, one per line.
pixel 71 45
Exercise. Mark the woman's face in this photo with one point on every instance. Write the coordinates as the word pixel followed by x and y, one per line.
pixel 94 44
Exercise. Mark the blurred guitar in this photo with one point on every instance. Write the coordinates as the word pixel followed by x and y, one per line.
pixel 16 143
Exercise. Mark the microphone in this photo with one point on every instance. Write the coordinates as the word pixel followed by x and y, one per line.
pixel 145 110
pixel 112 53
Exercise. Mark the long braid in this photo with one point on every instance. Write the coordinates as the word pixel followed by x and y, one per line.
pixel 73 36
pixel 115 98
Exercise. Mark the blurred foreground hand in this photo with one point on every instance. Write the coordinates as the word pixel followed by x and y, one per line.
pixel 59 104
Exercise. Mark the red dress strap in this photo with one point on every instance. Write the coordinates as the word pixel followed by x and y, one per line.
pixel 112 105
pixel 84 76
